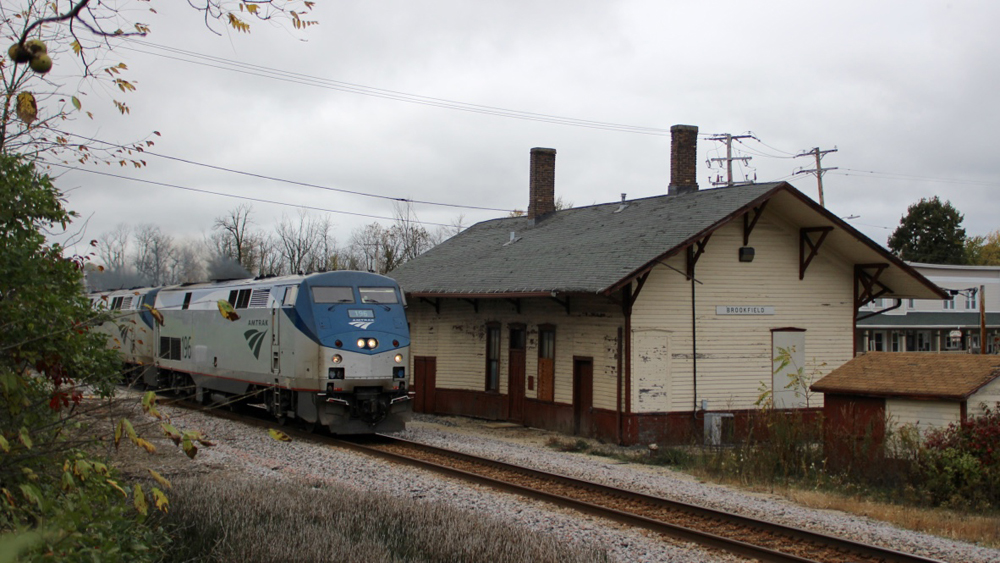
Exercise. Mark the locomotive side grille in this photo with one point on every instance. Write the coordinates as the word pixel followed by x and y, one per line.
pixel 259 298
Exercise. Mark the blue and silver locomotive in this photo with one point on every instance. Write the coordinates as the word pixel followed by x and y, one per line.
pixel 329 349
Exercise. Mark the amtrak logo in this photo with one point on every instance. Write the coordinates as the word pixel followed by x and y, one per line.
pixel 123 330
pixel 363 325
pixel 255 339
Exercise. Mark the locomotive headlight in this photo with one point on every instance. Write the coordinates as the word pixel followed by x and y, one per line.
pixel 399 358
pixel 337 358
pixel 372 343
pixel 361 343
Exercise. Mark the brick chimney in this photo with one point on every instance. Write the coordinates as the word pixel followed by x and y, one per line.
pixel 683 159
pixel 542 199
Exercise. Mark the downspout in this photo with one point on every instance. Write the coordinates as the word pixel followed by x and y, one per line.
pixel 694 350
pixel 618 408
pixel 627 294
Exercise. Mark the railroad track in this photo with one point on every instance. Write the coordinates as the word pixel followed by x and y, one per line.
pixel 747 537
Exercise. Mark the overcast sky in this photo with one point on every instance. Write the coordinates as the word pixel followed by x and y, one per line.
pixel 906 91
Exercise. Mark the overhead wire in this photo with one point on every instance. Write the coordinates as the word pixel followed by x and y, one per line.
pixel 146 151
pixel 329 84
pixel 234 196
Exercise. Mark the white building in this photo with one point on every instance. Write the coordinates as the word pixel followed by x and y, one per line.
pixel 932 325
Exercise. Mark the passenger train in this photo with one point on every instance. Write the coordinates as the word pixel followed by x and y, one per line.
pixel 328 349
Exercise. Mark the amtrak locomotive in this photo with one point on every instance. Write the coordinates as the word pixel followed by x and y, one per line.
pixel 328 349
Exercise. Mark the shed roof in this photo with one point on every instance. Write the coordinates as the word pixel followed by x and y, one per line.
pixel 912 374
pixel 599 248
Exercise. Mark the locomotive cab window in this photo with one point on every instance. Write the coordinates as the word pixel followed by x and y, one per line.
pixel 240 298
pixel 333 295
pixel 291 293
pixel 378 295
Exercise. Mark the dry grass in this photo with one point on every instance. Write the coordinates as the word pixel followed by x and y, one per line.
pixel 982 530
pixel 241 519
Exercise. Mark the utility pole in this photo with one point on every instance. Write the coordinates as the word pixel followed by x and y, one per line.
pixel 819 170
pixel 728 139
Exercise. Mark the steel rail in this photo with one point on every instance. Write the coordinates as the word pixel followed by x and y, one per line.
pixel 696 536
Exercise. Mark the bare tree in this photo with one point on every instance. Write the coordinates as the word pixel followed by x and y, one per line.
pixel 234 238
pixel 304 244
pixel 155 253
pixel 112 247
pixel 188 263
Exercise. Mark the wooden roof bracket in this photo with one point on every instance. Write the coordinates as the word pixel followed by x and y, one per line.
pixel 436 303
pixel 693 255
pixel 565 303
pixel 474 303
pixel 629 297
pixel 516 301
pixel 866 285
pixel 805 240
pixel 749 224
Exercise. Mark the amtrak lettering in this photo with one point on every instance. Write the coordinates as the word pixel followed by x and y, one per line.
pixel 257 322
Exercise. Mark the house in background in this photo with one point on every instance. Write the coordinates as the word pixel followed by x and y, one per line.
pixel 957 324
pixel 630 321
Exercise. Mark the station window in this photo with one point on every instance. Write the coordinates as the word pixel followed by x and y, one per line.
pixel 546 362
pixel 187 300
pixel 493 357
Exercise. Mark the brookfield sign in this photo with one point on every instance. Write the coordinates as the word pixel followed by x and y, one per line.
pixel 744 310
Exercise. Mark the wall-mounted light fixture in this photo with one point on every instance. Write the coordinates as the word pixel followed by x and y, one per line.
pixel 746 254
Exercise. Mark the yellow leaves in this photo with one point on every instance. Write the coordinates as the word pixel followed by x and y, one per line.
pixel 188 439
pixel 124 85
pixel 159 479
pixel 160 500
pixel 170 432
pixel 251 8
pixel 77 48
pixel 31 494
pixel 121 107
pixel 279 435
pixel 142 28
pixel 139 501
pixel 76 103
pixel 67 483
pixel 27 109
pixel 114 484
pixel 227 311
pixel 150 448
pixel 149 404
pixel 156 313
pixel 238 24
pixel 25 437
pixel 9 497
pixel 4 445
pixel 299 23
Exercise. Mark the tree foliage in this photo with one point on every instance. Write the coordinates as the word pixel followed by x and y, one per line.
pixel 48 356
pixel 80 37
pixel 931 232
pixel 983 250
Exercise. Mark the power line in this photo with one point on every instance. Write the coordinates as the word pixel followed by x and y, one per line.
pixel 819 170
pixel 910 177
pixel 247 198
pixel 329 84
pixel 293 182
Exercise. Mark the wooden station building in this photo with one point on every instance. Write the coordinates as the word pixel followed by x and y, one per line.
pixel 630 321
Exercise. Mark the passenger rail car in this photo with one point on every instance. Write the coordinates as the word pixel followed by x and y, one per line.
pixel 328 348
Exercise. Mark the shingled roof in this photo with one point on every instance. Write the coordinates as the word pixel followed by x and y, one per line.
pixel 911 374
pixel 584 249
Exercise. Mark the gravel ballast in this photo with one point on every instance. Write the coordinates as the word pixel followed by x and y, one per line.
pixel 251 450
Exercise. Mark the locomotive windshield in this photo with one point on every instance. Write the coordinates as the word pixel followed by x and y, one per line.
pixel 333 295
pixel 378 295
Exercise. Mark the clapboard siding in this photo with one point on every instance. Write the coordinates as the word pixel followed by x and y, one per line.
pixel 734 352
pixel 457 337
pixel 988 396
pixel 922 414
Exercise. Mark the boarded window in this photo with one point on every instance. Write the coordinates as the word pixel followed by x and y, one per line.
pixel 546 362
pixel 789 387
pixel 493 357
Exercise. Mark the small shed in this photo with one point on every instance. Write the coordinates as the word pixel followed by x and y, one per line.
pixel 878 391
